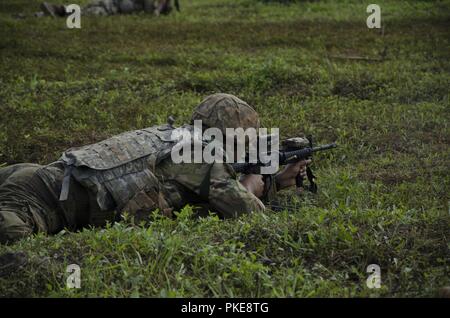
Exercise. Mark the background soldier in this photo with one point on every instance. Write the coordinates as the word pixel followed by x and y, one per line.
pixel 110 7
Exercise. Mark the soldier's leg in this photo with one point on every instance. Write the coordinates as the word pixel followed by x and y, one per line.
pixel 101 7
pixel 6 172
pixel 158 7
pixel 164 7
pixel 54 10
pixel 14 226
pixel 19 219
pixel 24 205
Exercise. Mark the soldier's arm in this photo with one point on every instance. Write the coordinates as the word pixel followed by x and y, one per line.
pixel 231 198
pixel 216 185
pixel 286 177
pixel 254 183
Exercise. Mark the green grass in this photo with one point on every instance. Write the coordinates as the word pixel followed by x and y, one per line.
pixel 384 193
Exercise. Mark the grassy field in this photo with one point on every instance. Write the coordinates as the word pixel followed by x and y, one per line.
pixel 384 194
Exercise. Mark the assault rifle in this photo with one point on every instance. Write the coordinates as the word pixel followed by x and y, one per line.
pixel 295 149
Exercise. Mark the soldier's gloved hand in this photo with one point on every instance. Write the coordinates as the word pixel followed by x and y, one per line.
pixel 286 177
pixel 254 183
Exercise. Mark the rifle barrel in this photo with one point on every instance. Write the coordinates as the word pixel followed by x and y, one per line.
pixel 287 156
pixel 325 147
pixel 295 155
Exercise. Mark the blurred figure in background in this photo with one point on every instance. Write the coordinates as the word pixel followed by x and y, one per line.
pixel 111 7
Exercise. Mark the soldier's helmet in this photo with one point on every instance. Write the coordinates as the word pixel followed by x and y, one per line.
pixel 226 111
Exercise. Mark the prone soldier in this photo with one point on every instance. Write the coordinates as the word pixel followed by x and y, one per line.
pixel 133 173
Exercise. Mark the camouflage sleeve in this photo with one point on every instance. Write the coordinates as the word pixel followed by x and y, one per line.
pixel 225 194
pixel 228 196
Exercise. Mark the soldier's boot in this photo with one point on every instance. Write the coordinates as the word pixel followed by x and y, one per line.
pixel 12 262
pixel 8 171
pixel 53 10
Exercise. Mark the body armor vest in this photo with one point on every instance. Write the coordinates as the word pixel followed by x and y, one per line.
pixel 121 168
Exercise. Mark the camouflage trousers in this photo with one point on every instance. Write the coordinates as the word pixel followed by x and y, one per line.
pixel 101 7
pixel 110 7
pixel 28 204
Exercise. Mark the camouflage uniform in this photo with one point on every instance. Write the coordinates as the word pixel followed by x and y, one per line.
pixel 227 196
pixel 29 198
pixel 29 201
pixel 111 7
pixel 131 172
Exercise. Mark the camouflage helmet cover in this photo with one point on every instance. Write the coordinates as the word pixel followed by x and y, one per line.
pixel 226 111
